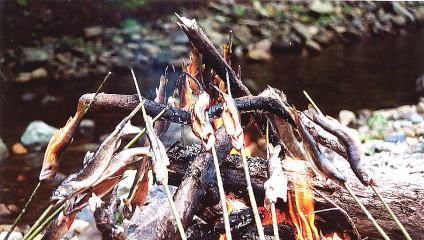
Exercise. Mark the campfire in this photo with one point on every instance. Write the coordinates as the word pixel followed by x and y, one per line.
pixel 294 192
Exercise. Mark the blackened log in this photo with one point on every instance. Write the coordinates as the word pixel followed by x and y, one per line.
pixel 405 198
pixel 200 173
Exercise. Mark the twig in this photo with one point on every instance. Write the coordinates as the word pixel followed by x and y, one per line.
pixel 319 211
pixel 391 213
pixel 23 210
pixel 97 92
pixel 364 209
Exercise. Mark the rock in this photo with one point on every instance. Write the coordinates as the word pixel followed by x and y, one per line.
pixel 243 35
pixel 39 73
pixel 13 236
pixel 4 152
pixel 264 45
pixel 179 37
pixel 420 106
pixel 399 20
pixel 302 30
pixel 37 133
pixel 150 49
pixel 313 46
pixel 416 118
pixel 419 14
pixel 419 86
pixel 18 148
pixel 86 129
pixel 49 99
pixel 321 7
pixel 346 117
pixel 400 10
pixel 258 55
pixel 64 57
pixel 31 55
pixel 93 31
pixel 23 77
pixel 395 137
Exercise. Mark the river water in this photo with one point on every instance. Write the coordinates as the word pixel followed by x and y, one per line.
pixel 374 73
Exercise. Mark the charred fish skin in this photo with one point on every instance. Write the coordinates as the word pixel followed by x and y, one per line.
pixel 317 159
pixel 58 143
pixel 59 227
pixel 353 153
pixel 95 166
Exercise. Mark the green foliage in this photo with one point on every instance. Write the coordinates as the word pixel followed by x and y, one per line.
pixel 22 2
pixel 131 3
pixel 239 10
pixel 377 121
pixel 129 23
pixel 325 19
pixel 347 9
pixel 296 8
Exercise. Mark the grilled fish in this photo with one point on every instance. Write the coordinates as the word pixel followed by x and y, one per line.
pixel 58 143
pixel 95 163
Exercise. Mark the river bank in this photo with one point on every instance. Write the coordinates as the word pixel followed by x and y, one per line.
pixel 258 30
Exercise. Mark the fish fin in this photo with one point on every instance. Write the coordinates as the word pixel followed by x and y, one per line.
pixel 129 129
pixel 88 156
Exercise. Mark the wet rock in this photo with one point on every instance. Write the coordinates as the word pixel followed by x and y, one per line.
pixel 264 45
pixel 321 7
pixel 395 137
pixel 39 73
pixel 419 86
pixel 13 236
pixel 32 55
pixel 4 152
pixel 243 35
pixel 38 133
pixel 258 55
pixel 313 46
pixel 86 129
pixel 49 99
pixel 302 30
pixel 19 148
pixel 399 9
pixel 399 20
pixel 346 117
pixel 93 31
pixel 420 106
pixel 150 49
pixel 179 37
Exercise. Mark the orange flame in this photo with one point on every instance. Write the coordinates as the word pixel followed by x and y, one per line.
pixel 248 147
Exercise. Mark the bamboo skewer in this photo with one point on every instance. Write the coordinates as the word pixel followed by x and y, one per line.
pixel 39 220
pixel 45 223
pixel 165 185
pixel 222 195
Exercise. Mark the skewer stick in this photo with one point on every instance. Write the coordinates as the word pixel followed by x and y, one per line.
pixel 23 210
pixel 39 220
pixel 312 102
pixel 374 188
pixel 45 223
pixel 34 192
pixel 222 195
pixel 251 194
pixel 364 209
pixel 391 213
pixel 165 185
pixel 273 210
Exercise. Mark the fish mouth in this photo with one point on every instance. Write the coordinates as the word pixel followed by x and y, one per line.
pixel 46 174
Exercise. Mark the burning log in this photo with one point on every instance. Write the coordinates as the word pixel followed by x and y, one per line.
pixel 406 200
pixel 192 188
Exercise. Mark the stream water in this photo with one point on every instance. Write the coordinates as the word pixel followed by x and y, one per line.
pixel 374 73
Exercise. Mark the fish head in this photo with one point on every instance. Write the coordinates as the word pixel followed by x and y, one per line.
pixel 50 166
pixel 62 192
